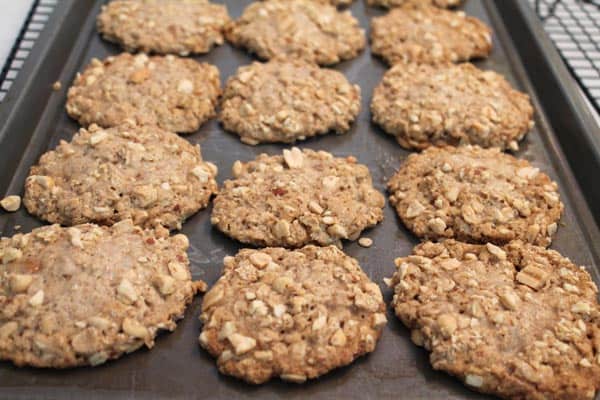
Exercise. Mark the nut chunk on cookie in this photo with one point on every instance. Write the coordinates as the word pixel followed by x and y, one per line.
pixel 424 105
pixel 177 94
pixel 399 3
pixel 292 314
pixel 302 197
pixel 285 101
pixel 87 294
pixel 429 35
pixel 163 26
pixel 133 172
pixel 475 195
pixel 517 321
pixel 305 29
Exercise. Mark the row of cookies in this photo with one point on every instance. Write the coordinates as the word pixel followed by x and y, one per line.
pixel 495 307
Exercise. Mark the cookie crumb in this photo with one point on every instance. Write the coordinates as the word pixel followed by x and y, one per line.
pixel 365 242
pixel 11 203
pixel 56 86
pixel 17 227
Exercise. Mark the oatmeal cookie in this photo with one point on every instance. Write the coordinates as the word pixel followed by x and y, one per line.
pixel 177 94
pixel 87 294
pixel 305 29
pixel 519 322
pixel 292 314
pixel 400 3
pixel 424 105
pixel 302 197
pixel 285 101
pixel 429 35
pixel 163 26
pixel 475 195
pixel 133 172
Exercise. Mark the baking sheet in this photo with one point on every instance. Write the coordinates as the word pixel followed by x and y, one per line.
pixel 177 367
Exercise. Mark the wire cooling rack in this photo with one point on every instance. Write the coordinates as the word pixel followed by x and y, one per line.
pixel 32 28
pixel 574 26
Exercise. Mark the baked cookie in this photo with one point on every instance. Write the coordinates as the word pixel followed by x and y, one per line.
pixel 429 35
pixel 133 172
pixel 399 3
pixel 177 94
pixel 519 322
pixel 305 29
pixel 302 197
pixel 285 101
pixel 337 3
pixel 424 105
pixel 475 195
pixel 163 26
pixel 292 314
pixel 87 294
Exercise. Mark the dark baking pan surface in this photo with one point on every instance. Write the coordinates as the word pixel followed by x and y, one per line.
pixel 34 120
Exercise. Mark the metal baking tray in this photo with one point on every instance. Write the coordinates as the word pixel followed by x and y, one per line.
pixel 33 120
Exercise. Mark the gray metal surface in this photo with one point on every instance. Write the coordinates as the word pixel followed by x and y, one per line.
pixel 177 367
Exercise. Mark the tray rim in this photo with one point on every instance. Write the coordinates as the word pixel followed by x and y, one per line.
pixel 24 87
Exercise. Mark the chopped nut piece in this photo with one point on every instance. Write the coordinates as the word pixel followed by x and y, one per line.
pixel 532 276
pixel 293 158
pixel 11 254
pixel 496 251
pixel 134 328
pixel 338 338
pixel 241 344
pixel 11 203
pixel 127 291
pixel 178 271
pixel 260 260
pixel 212 298
pixel 474 380
pixel 98 137
pixel 56 86
pixel 282 229
pixel 165 284
pixel 414 209
pixel 19 282
pixel 447 324
pixel 37 299
pixel 293 378
pixel 185 86
pixel 365 242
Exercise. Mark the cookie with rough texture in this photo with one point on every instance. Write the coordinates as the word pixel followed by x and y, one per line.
pixel 475 195
pixel 429 35
pixel 400 3
pixel 87 294
pixel 292 314
pixel 302 197
pixel 519 322
pixel 305 29
pixel 177 94
pixel 285 101
pixel 337 3
pixel 133 172
pixel 424 105
pixel 164 26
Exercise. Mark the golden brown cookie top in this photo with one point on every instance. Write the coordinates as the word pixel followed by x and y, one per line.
pixel 305 29
pixel 475 195
pixel 517 321
pixel 293 314
pixel 86 294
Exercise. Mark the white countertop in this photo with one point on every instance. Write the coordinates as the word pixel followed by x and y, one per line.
pixel 12 16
